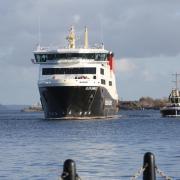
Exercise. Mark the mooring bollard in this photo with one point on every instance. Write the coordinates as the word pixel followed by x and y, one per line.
pixel 149 162
pixel 69 170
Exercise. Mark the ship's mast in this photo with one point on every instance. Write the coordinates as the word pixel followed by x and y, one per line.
pixel 86 38
pixel 176 79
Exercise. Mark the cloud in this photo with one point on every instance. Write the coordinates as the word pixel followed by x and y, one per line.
pixel 139 30
pixel 76 18
pixel 125 65
pixel 5 52
pixel 19 84
pixel 130 29
pixel 147 75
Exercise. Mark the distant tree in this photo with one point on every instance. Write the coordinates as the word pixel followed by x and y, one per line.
pixel 146 102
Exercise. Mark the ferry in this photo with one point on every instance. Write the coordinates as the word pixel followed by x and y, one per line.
pixel 76 82
pixel 173 108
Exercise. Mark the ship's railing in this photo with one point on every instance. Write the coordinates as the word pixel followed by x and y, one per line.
pixel 52 48
pixel 148 171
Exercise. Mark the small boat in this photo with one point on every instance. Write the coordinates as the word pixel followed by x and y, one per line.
pixel 172 109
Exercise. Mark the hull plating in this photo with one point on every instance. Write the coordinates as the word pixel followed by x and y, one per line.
pixel 170 112
pixel 75 101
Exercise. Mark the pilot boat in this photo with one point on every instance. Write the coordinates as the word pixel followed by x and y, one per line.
pixel 172 109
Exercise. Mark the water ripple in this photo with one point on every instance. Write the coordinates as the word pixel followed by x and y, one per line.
pixel 34 148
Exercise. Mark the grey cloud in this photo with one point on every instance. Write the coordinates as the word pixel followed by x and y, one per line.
pixel 131 28
pixel 145 29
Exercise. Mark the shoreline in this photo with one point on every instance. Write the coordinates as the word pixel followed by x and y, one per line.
pixel 143 103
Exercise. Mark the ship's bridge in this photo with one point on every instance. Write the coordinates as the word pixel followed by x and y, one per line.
pixel 45 56
pixel 174 97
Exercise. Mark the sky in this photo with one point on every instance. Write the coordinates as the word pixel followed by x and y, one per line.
pixel 143 34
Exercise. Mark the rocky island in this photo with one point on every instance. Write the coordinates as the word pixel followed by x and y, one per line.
pixel 143 103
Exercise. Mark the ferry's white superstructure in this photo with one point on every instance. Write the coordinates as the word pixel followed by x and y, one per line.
pixel 76 82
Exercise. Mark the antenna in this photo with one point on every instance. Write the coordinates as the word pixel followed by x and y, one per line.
pixel 86 38
pixel 101 29
pixel 176 79
pixel 39 31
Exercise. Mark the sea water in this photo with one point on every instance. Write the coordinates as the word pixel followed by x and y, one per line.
pixel 34 148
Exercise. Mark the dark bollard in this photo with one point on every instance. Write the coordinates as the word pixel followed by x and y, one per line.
pixel 69 171
pixel 149 163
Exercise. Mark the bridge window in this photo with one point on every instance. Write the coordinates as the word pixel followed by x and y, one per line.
pixel 69 56
pixel 41 57
pixel 100 56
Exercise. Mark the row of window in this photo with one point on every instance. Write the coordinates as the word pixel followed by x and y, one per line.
pixel 51 71
pixel 91 70
pixel 58 56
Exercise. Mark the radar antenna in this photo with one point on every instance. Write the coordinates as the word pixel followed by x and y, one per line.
pixel 71 38
pixel 39 33
pixel 86 38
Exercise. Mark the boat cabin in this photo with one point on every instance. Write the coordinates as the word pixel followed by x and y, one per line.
pixel 174 97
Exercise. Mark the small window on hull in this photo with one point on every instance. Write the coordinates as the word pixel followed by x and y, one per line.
pixel 103 81
pixel 102 71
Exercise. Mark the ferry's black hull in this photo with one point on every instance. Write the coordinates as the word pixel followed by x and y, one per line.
pixel 76 101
